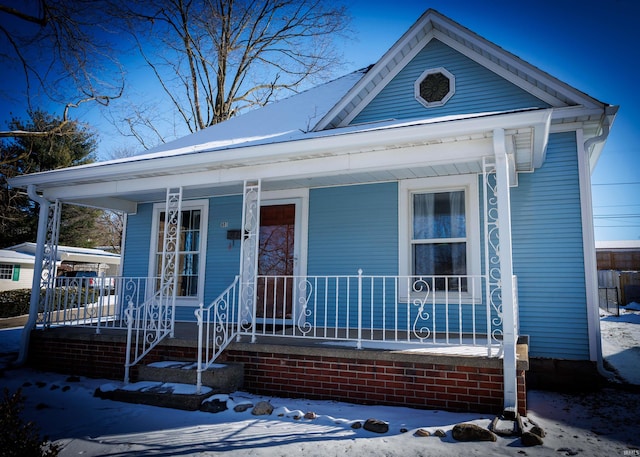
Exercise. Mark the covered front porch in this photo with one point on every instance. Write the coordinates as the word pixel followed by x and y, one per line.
pixel 470 314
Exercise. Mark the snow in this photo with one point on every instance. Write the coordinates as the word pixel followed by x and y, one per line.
pixel 621 341
pixel 283 120
pixel 583 424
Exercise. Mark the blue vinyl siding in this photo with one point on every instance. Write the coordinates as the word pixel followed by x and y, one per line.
pixel 477 89
pixel 350 228
pixel 548 254
pixel 223 255
pixel 353 227
pixel 138 240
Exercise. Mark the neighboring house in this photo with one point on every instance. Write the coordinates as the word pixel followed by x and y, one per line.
pixel 438 200
pixel 16 270
pixel 16 263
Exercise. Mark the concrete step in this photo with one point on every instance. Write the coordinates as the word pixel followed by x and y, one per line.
pixel 172 384
pixel 223 378
pixel 154 393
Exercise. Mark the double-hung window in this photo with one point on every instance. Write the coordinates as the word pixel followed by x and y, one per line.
pixel 189 264
pixel 439 238
pixel 439 245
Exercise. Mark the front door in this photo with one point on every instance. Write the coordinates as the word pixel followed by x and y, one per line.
pixel 276 263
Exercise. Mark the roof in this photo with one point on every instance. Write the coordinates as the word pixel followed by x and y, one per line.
pixel 314 125
pixel 617 245
pixel 67 253
pixel 9 256
pixel 285 120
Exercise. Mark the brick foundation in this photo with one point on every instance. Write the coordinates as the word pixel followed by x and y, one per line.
pixel 370 380
pixel 395 378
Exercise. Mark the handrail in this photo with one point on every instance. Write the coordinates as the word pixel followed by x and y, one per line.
pixel 217 326
pixel 152 321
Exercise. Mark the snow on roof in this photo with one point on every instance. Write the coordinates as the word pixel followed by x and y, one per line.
pixel 618 244
pixel 30 248
pixel 279 121
pixel 7 255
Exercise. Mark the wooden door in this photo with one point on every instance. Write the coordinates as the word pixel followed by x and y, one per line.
pixel 276 262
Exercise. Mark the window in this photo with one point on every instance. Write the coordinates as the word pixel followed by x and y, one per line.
pixel 434 87
pixel 438 241
pixel 6 271
pixel 439 232
pixel 11 272
pixel 190 262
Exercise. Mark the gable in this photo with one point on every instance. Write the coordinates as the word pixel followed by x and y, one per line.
pixel 477 89
pixel 499 63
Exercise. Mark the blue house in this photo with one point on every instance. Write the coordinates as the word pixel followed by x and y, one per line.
pixel 432 211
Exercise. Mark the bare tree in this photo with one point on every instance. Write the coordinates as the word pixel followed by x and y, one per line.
pixel 214 58
pixel 62 52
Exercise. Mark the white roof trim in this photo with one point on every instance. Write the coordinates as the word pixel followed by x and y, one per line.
pixel 112 179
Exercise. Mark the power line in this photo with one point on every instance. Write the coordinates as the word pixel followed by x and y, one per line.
pixel 615 206
pixel 616 183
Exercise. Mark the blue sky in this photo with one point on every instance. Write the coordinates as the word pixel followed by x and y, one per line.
pixel 589 44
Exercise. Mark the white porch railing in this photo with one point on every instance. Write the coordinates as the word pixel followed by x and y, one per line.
pixel 217 326
pixel 385 310
pixel 147 325
pixel 96 302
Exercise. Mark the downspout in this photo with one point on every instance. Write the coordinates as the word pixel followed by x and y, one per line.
pixel 606 123
pixel 37 273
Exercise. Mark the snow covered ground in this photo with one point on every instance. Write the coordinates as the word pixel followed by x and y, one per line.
pixel 588 424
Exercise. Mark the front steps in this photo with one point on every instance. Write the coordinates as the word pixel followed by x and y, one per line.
pixel 172 384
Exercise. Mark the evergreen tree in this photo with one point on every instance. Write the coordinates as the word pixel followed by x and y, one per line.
pixel 65 144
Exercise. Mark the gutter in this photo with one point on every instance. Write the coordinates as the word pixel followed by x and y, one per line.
pixel 37 275
pixel 608 115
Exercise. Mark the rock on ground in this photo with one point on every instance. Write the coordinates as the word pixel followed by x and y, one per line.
pixel 376 426
pixel 472 432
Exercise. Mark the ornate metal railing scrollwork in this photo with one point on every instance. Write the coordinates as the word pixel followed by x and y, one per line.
pixel 493 291
pixel 305 291
pixel 249 254
pixel 420 327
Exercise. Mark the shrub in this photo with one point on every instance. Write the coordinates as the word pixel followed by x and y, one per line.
pixel 14 302
pixel 19 438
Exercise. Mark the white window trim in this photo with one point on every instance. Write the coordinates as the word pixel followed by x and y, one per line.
pixel 203 206
pixel 468 183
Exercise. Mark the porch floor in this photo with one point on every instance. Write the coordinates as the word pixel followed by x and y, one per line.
pixel 186 335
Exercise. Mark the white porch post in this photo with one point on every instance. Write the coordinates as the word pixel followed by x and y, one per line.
pixel 43 267
pixel 249 257
pixel 170 265
pixel 509 317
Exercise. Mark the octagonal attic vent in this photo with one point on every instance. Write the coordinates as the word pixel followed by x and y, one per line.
pixel 434 87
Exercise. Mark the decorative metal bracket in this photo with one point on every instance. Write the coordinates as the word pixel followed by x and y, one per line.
pixel 249 254
pixel 492 252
